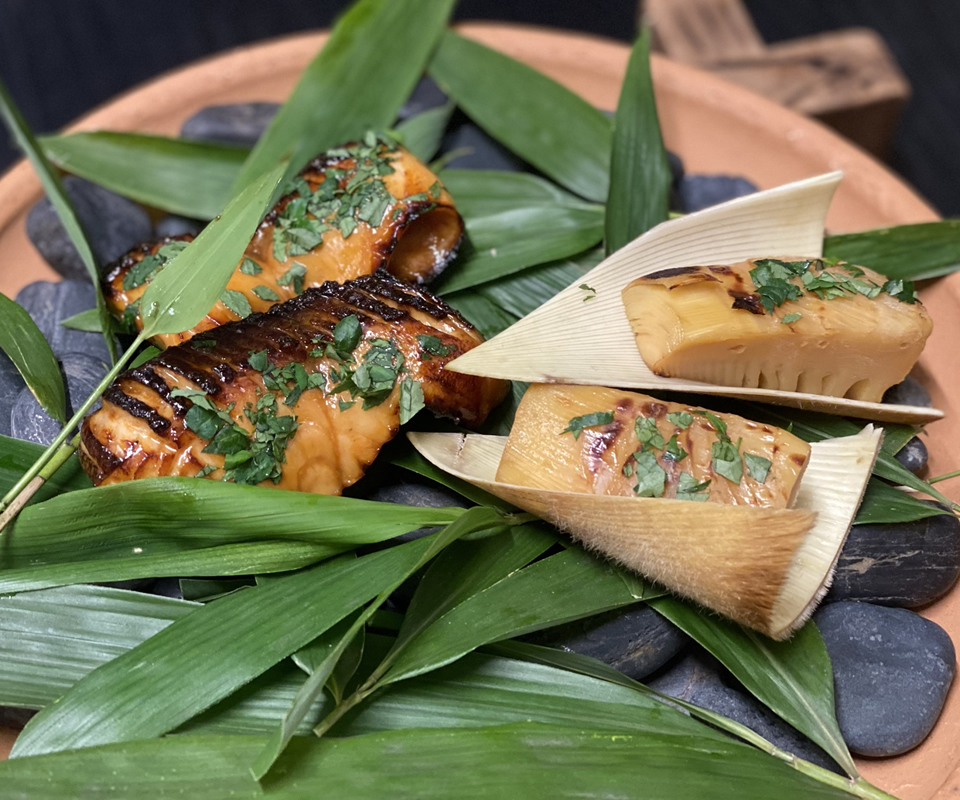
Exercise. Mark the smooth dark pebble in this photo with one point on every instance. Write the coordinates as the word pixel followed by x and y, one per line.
pixel 16 718
pixel 480 151
pixel 166 587
pixel 702 191
pixel 905 564
pixel 908 392
pixel 422 496
pixel 913 455
pixel 426 95
pixel 172 225
pixel 700 679
pixel 892 669
pixel 49 303
pixel 236 123
pixel 676 173
pixel 30 422
pixel 112 223
pixel 11 384
pixel 636 641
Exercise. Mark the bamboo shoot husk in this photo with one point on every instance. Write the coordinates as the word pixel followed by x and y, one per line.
pixel 572 339
pixel 764 568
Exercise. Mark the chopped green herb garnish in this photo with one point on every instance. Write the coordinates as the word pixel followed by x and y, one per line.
pixel 758 467
pixel 343 405
pixel 266 293
pixel 648 433
pixel 771 278
pixel 250 267
pixel 577 425
pixel 375 377
pixel 788 318
pixel 902 290
pixel 689 489
pixel 205 471
pixel 144 270
pixel 236 302
pixel 411 400
pixel 651 477
pixel 346 335
pixel 592 292
pixel 674 451
pixel 432 345
pixel 681 419
pixel 294 276
pixel 785 269
pixel 202 344
pixel 726 459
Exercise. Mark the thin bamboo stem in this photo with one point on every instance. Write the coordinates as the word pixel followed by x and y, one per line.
pixel 944 477
pixel 55 455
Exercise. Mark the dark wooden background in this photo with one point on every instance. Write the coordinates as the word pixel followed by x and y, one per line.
pixel 62 57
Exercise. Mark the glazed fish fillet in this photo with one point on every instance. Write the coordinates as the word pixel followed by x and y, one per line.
pixel 596 440
pixel 350 211
pixel 795 325
pixel 301 397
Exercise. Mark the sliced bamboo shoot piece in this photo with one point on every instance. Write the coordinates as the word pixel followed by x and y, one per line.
pixel 764 568
pixel 584 337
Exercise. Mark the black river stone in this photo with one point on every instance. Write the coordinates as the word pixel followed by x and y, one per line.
pixel 702 191
pixel 900 563
pixel 29 421
pixel 422 496
pixel 907 393
pixel 892 669
pixel 913 455
pixel 636 641
pixel 112 223
pixel 50 303
pixel 173 225
pixel 11 384
pixel 235 123
pixel 476 150
pixel 700 679
pixel 425 96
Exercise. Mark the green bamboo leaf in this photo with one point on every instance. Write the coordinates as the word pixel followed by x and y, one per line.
pixel 794 679
pixel 183 177
pixel 917 252
pixel 558 589
pixel 311 657
pixel 88 321
pixel 883 503
pixel 185 290
pixel 485 193
pixel 366 70
pixel 422 133
pixel 544 123
pixel 152 688
pixel 16 457
pixel 523 760
pixel 151 528
pixel 145 355
pixel 55 192
pixel 640 176
pixel 24 344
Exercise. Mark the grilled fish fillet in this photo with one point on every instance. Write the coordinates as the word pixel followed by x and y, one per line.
pixel 285 398
pixel 352 210
pixel 595 440
pixel 795 325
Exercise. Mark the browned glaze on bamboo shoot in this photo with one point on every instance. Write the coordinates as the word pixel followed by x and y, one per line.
pixel 141 432
pixel 416 239
pixel 601 459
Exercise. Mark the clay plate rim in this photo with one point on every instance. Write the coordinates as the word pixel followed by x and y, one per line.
pixel 713 125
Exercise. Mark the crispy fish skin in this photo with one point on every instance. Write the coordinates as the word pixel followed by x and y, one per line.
pixel 141 430
pixel 708 323
pixel 418 236
pixel 539 454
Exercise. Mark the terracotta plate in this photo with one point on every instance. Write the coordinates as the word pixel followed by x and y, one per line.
pixel 714 126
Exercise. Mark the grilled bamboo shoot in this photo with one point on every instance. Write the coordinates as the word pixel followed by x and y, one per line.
pixel 796 325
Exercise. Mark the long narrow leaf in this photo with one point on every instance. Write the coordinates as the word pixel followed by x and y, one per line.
pixel 24 344
pixel 153 688
pixel 475 520
pixel 883 503
pixel 16 457
pixel 361 77
pixel 151 528
pixel 188 286
pixel 544 123
pixel 57 195
pixel 925 250
pixel 639 173
pixel 564 587
pixel 521 760
pixel 189 178
pixel 422 133
pixel 794 679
